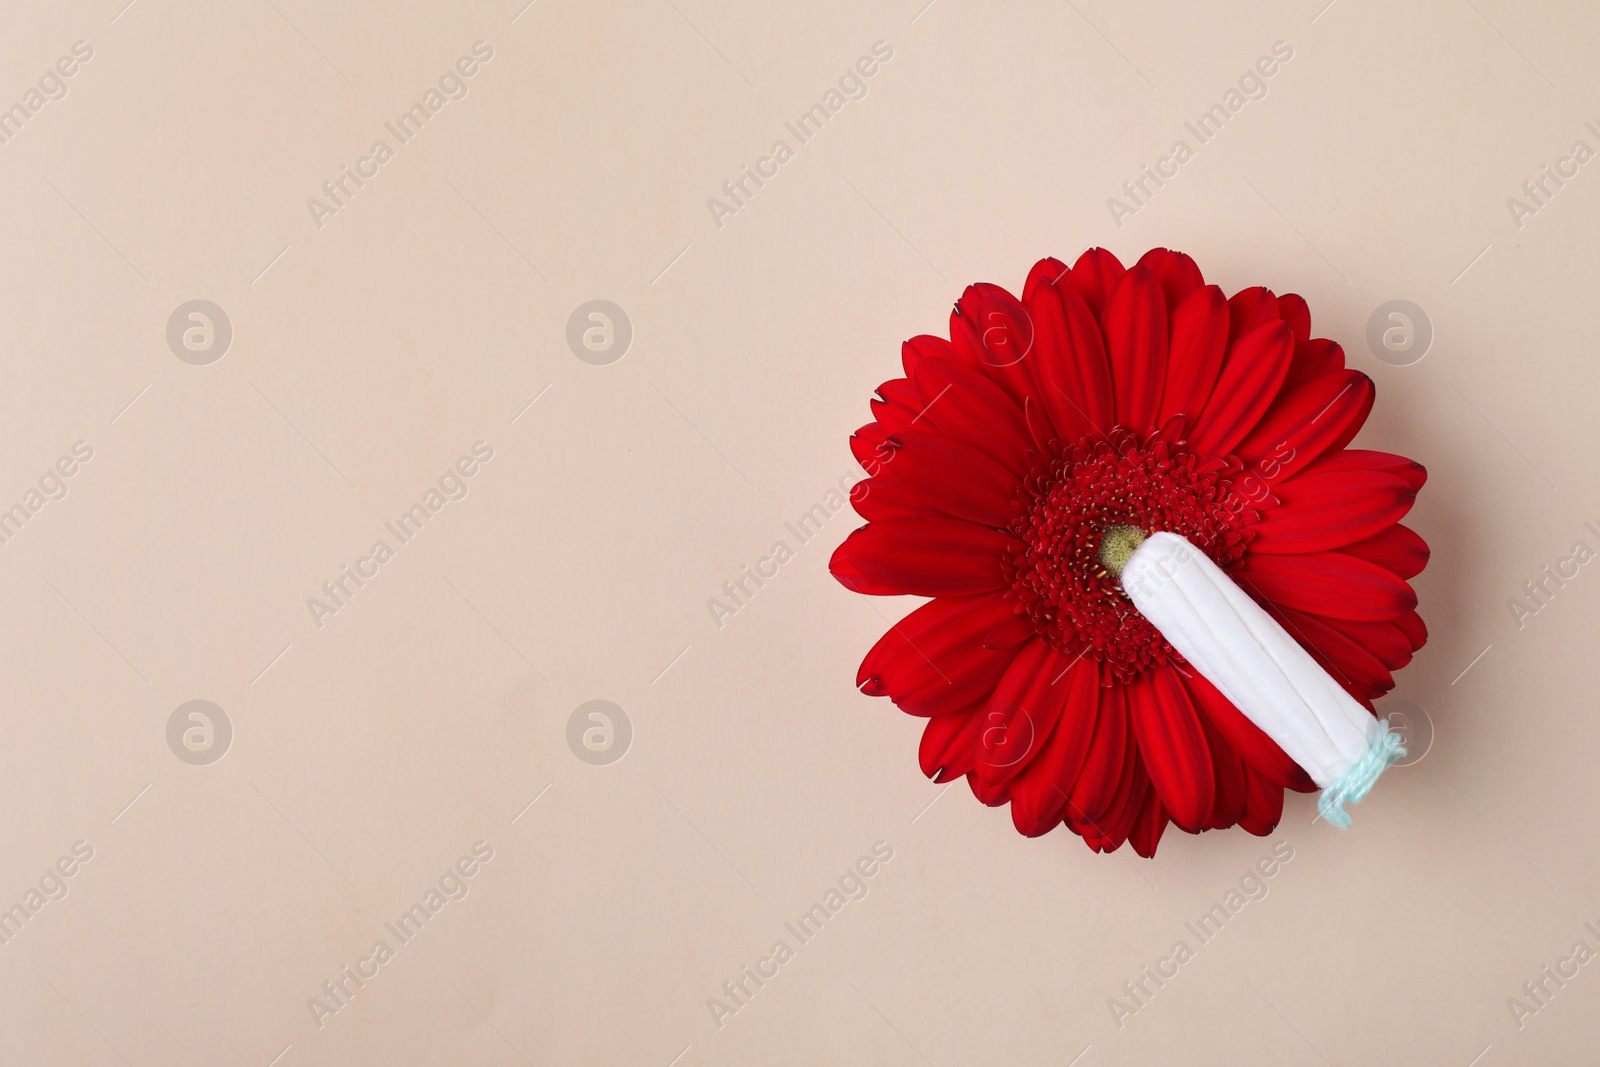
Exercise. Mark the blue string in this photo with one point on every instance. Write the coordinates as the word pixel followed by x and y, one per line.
pixel 1359 780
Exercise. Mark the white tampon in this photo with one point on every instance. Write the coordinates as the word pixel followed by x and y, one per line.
pixel 1255 663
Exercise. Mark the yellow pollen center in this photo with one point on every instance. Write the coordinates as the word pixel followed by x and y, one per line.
pixel 1117 545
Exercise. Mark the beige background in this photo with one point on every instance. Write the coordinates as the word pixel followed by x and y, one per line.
pixel 369 754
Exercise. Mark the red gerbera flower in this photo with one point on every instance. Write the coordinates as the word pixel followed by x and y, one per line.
pixel 1109 397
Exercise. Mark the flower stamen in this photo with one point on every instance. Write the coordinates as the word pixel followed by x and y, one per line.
pixel 1117 546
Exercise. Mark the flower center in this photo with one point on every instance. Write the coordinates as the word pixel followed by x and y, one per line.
pixel 1117 546
pixel 1084 512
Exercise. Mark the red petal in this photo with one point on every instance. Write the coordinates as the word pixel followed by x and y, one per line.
pixel 1096 787
pixel 949 744
pixel 1385 640
pixel 1312 358
pixel 1041 791
pixel 1398 549
pixel 884 497
pixel 1011 631
pixel 1086 363
pixel 1107 833
pixel 1041 428
pixel 900 405
pixel 1199 341
pixel 1060 384
pixel 1148 825
pixel 1229 770
pixel 1263 804
pixel 1135 326
pixel 1252 371
pixel 966 404
pixel 1316 512
pixel 934 661
pixel 870 445
pixel 1176 273
pixel 922 347
pixel 1361 459
pixel 1258 751
pixel 993 794
pixel 1020 713
pixel 991 328
pixel 1314 417
pixel 1326 583
pixel 1094 276
pixel 1173 747
pixel 1249 310
pixel 927 557
pixel 1412 626
pixel 1049 269
pixel 957 479
pixel 1292 308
